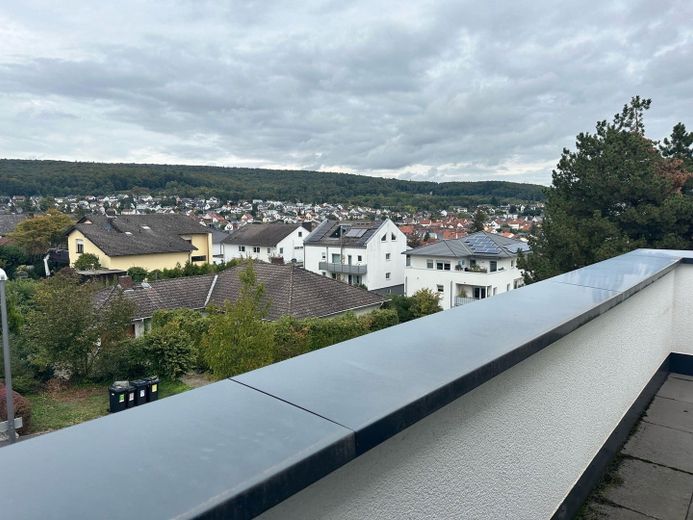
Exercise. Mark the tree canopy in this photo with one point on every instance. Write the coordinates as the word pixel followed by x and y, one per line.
pixel 37 234
pixel 616 192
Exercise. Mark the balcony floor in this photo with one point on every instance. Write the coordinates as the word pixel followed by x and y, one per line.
pixel 652 477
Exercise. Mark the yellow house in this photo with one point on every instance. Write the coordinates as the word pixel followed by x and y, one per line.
pixel 151 241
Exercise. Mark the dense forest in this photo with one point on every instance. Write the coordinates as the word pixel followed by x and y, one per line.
pixel 59 178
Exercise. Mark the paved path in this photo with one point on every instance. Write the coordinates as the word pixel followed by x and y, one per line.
pixel 653 475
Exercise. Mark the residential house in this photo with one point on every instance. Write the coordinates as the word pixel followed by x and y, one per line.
pixel 462 271
pixel 266 242
pixel 8 223
pixel 153 241
pixel 367 253
pixel 218 238
pixel 289 290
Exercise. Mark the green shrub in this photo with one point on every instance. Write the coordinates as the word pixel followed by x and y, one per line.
pixel 164 352
pixel 138 274
pixel 87 262
pixel 380 319
pixel 290 338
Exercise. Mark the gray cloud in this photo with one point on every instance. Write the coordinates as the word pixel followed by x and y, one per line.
pixel 444 90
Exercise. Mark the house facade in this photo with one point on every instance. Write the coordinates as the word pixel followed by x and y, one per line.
pixel 266 242
pixel 366 253
pixel 154 241
pixel 464 270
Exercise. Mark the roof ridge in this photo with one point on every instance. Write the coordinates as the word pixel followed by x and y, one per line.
pixel 291 291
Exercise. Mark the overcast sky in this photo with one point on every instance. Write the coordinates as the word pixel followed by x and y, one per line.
pixel 419 90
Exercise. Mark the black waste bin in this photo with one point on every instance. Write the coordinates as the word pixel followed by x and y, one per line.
pixel 140 391
pixel 117 396
pixel 152 388
pixel 130 395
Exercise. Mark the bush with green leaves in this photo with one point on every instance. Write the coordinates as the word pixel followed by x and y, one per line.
pixel 87 262
pixel 163 352
pixel 138 274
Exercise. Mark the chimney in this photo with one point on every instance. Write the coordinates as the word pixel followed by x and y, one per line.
pixel 126 283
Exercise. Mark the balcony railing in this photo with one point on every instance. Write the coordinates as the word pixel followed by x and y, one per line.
pixel 331 267
pixel 464 300
pixel 439 417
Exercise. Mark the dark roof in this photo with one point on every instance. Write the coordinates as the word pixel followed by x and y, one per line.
pixel 291 291
pixel 8 223
pixel 218 235
pixel 477 244
pixel 334 232
pixel 139 234
pixel 265 235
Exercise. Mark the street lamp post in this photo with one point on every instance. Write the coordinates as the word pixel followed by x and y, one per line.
pixel 9 398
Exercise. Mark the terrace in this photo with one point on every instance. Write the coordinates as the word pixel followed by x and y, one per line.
pixel 509 408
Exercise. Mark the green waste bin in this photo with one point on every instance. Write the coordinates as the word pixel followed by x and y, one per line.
pixel 152 388
pixel 140 391
pixel 117 396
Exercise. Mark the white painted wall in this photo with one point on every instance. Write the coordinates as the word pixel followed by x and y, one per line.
pixel 514 447
pixel 373 256
pixel 288 248
pixel 419 276
pixel 683 309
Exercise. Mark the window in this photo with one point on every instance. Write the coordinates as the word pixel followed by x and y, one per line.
pixel 446 266
pixel 512 263
pixel 493 266
pixel 269 250
pixel 408 260
pixel 241 249
pixel 256 249
pixel 387 256
pixel 495 290
pixel 440 288
pixel 443 266
pixel 387 276
pixel 359 258
pixel 336 258
pixel 429 264
pixel 507 287
pixel 392 236
pixel 281 250
pixel 80 246
pixel 324 256
pixel 200 258
pixel 300 234
pixel 384 238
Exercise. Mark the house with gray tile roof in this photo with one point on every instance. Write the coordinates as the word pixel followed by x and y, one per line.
pixel 267 242
pixel 358 253
pixel 466 269
pixel 155 241
pixel 289 291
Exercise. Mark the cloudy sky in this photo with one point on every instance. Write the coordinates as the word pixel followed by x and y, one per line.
pixel 441 90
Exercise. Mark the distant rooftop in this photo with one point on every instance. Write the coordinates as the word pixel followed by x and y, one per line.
pixel 264 235
pixel 140 234
pixel 355 234
pixel 481 243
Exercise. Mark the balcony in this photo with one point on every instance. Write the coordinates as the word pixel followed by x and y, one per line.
pixel 463 300
pixel 510 408
pixel 331 267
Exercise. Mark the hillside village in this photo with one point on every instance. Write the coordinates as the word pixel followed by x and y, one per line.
pixel 513 221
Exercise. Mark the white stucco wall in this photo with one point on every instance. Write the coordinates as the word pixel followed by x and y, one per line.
pixel 683 309
pixel 515 446
pixel 419 276
pixel 373 256
pixel 291 248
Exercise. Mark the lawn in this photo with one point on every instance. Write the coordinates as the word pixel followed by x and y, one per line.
pixel 52 409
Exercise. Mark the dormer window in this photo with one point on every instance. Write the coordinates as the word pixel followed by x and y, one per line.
pixel 146 227
pixel 128 233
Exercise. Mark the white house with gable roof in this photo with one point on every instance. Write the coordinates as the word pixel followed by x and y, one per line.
pixel 464 270
pixel 367 253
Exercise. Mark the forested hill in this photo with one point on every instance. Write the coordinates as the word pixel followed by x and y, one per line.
pixel 57 178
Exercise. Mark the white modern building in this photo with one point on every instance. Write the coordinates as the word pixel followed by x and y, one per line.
pixel 266 242
pixel 367 253
pixel 462 271
pixel 218 238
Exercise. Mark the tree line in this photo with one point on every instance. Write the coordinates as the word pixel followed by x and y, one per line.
pixel 60 178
